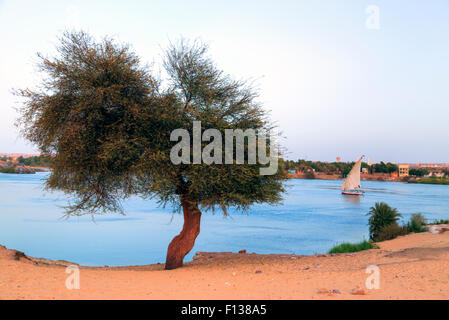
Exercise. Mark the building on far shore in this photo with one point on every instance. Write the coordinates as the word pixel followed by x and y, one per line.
pixel 404 170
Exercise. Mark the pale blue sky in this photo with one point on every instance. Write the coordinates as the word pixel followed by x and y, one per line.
pixel 335 87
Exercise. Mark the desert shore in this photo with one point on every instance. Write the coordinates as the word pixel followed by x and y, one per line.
pixel 410 267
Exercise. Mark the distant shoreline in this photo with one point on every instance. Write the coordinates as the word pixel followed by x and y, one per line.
pixel 335 177
pixel 433 181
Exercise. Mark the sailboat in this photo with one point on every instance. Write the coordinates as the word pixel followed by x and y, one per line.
pixel 351 186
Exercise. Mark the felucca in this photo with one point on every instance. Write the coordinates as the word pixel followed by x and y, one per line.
pixel 351 186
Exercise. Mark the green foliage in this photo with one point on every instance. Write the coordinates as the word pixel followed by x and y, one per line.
pixel 36 161
pixel 352 247
pixel 441 221
pixel 341 168
pixel 434 180
pixel 7 170
pixel 418 172
pixel 381 215
pixel 391 231
pixel 417 223
pixel 107 120
pixel 308 174
pixel 385 167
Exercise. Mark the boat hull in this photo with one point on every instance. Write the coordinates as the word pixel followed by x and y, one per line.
pixel 352 193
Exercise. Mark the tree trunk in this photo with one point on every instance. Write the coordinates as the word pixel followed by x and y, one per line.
pixel 181 245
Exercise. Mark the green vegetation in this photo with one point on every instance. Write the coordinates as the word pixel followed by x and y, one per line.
pixel 381 215
pixel 36 161
pixel 434 180
pixel 107 122
pixel 385 167
pixel 340 168
pixel 7 170
pixel 441 221
pixel 383 223
pixel 309 174
pixel 352 247
pixel 391 231
pixel 65 261
pixel 418 172
pixel 417 223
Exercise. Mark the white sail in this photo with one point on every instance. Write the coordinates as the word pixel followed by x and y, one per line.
pixel 352 181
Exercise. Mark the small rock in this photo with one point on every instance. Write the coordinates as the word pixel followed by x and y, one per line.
pixel 306 268
pixel 227 284
pixel 18 254
pixel 336 291
pixel 234 274
pixel 358 291
pixel 242 251
pixel 323 290
pixel 258 271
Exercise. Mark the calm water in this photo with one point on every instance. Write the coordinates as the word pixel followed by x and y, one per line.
pixel 313 218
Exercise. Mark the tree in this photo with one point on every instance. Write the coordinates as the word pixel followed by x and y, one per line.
pixel 385 167
pixel 107 122
pixel 418 172
pixel 380 216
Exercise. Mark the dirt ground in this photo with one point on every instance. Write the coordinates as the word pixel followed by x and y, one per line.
pixel 410 267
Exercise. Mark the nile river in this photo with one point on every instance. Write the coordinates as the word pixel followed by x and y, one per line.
pixel 313 218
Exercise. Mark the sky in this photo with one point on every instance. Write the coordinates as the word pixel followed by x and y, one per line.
pixel 341 78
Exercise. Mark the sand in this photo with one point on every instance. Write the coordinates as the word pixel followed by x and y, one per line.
pixel 410 267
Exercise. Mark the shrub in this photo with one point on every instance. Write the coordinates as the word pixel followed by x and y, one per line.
pixel 309 174
pixel 381 215
pixel 441 221
pixel 417 223
pixel 391 231
pixel 352 247
pixel 7 170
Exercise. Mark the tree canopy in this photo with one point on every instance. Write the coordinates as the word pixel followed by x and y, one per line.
pixel 107 120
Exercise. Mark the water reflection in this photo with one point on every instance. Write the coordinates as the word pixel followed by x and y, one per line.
pixel 351 199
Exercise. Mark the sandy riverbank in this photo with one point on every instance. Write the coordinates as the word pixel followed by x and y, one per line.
pixel 411 267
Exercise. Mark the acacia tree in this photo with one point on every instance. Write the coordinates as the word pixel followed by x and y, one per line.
pixel 107 122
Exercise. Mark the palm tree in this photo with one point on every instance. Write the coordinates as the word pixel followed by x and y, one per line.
pixel 381 215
